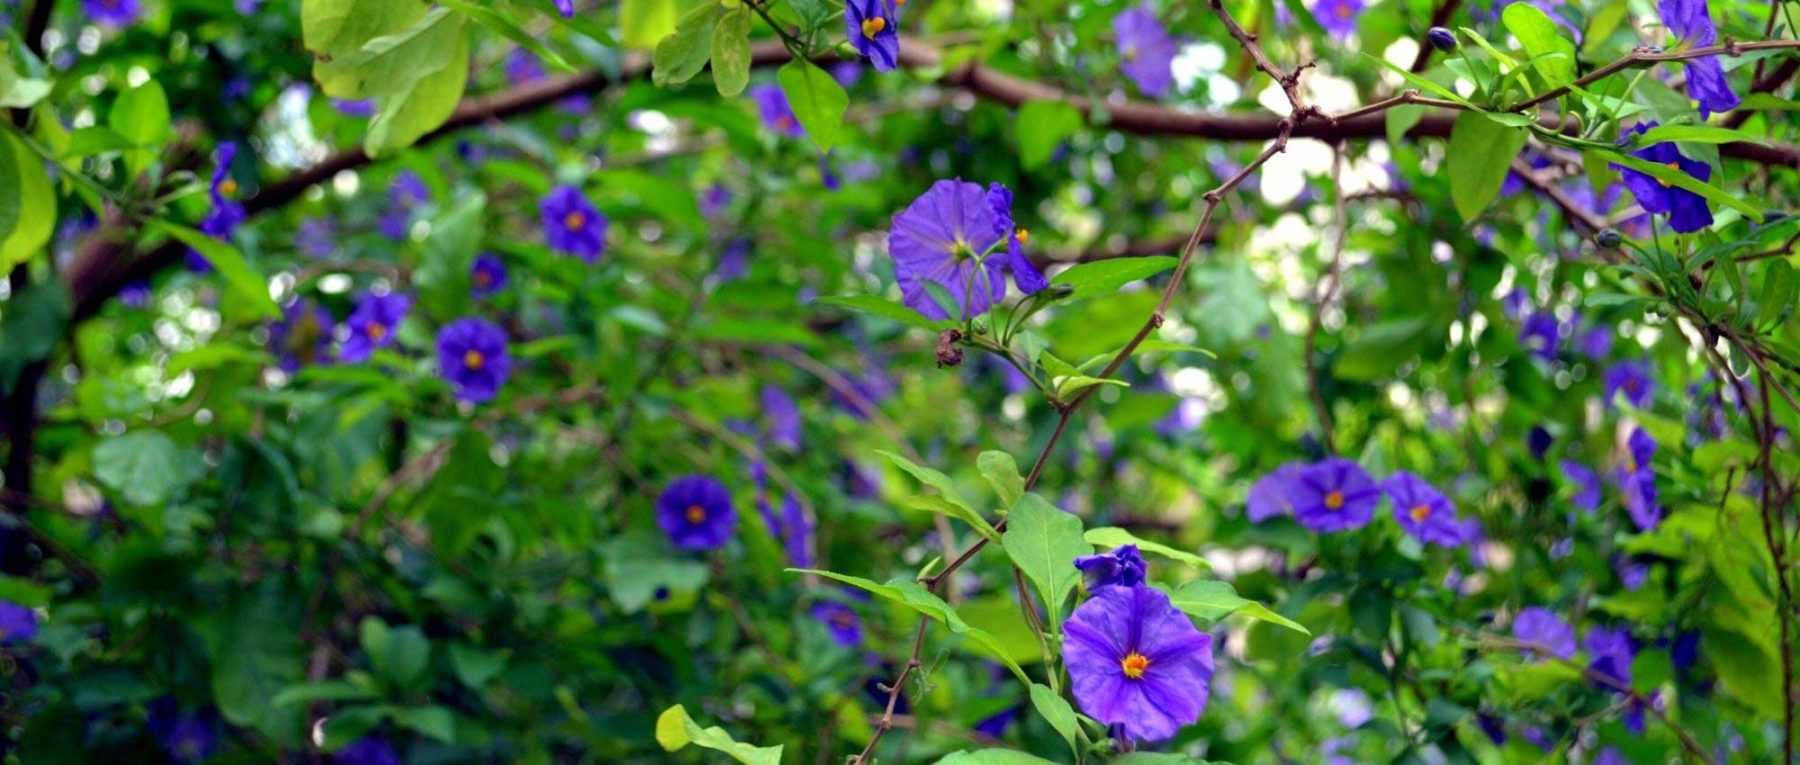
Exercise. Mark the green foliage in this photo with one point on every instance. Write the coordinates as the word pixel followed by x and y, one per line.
pixel 1480 155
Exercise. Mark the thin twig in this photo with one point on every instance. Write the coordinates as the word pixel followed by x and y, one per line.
pixel 1328 288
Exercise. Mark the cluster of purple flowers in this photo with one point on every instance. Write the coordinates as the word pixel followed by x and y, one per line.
pixel 960 239
pixel 1610 651
pixel 1336 494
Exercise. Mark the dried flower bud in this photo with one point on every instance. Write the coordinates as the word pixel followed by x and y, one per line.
pixel 949 354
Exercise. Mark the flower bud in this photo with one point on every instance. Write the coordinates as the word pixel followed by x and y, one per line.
pixel 1441 38
pixel 1608 238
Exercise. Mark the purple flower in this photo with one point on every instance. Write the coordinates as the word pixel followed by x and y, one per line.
pixel 1122 566
pixel 1538 441
pixel 472 356
pixel 772 104
pixel 847 72
pixel 1687 211
pixel 1632 574
pixel 695 511
pixel 302 336
pixel 1587 484
pixel 407 193
pixel 1338 16
pixel 1633 378
pixel 372 324
pixel 362 108
pixel 1136 662
pixel 368 750
pixel 1639 490
pixel 1640 449
pixel 113 13
pixel 522 67
pixel 840 621
pixel 1596 342
pixel 874 30
pixel 488 274
pixel 1147 50
pixel 1272 494
pixel 316 237
pixel 1610 756
pixel 1609 652
pixel 1023 273
pixel 784 417
pixel 1685 650
pixel 949 237
pixel 1546 630
pixel 187 738
pixel 1334 494
pixel 566 8
pixel 18 624
pixel 734 261
pixel 1422 510
pixel 222 221
pixel 1541 334
pixel 135 294
pixel 572 225
pixel 1516 303
pixel 1693 27
pixel 994 726
pixel 714 200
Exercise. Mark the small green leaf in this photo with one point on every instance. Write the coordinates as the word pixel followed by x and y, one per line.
pixel 145 466
pixel 1213 600
pixel 1056 711
pixel 141 115
pixel 1481 152
pixel 952 502
pixel 1552 54
pixel 505 24
pixel 245 281
pixel 1044 542
pixel 675 730
pixel 1002 472
pixel 643 24
pixel 1072 384
pixel 1418 81
pixel 1692 134
pixel 1104 277
pixel 682 55
pixel 1041 126
pixel 817 99
pixel 1112 536
pixel 731 52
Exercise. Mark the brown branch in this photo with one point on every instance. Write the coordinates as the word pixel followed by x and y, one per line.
pixel 1762 83
pixel 1439 17
pixel 1327 290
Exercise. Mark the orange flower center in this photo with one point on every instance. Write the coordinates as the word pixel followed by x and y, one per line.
pixel 1420 512
pixel 784 122
pixel 227 187
pixel 375 331
pixel 1134 664
pixel 1334 500
pixel 1672 166
pixel 1024 235
pixel 873 26
pixel 1344 10
pixel 483 279
pixel 473 359
pixel 696 514
pixel 574 221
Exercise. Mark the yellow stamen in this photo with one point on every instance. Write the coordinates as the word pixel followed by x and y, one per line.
pixel 1134 664
pixel 873 26
pixel 1672 166
pixel 227 187
pixel 473 359
pixel 574 221
pixel 1024 235
pixel 1344 11
pixel 483 279
pixel 1334 500
pixel 696 514
pixel 375 330
pixel 1420 512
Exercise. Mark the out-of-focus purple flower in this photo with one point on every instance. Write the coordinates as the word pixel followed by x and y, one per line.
pixel 784 417
pixel 1516 303
pixel 302 336
pixel 226 214
pixel 1633 379
pixel 1609 652
pixel 695 511
pixel 1596 342
pixel 404 196
pixel 1338 16
pixel 772 104
pixel 994 725
pixel 1687 211
pixel 873 27
pixel 472 356
pixel 1493 726
pixel 734 260
pixel 828 177
pixel 1632 574
pixel 1640 449
pixel 847 72
pixel 840 620
pixel 18 624
pixel 1641 503
pixel 1685 651
pixel 1546 630
pixel 1561 548
pixel 1586 482
pixel 861 482
pixel 316 237
pixel 113 13
pixel 1422 510
pixel 359 108
pixel 1334 494
pixel 187 738
pixel 566 8
pixel 1352 707
pixel 135 294
pixel 487 275
pixel 1538 738
pixel 572 225
pixel 1136 662
pixel 372 324
pixel 714 200
pixel 1692 24
pixel 1538 441
pixel 1541 334
pixel 522 67
pixel 951 237
pixel 1122 566
pixel 368 750
pixel 1331 751
pixel 1147 49
pixel 1610 756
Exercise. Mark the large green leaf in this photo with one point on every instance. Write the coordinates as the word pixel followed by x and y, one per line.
pixel 27 203
pixel 817 99
pixel 145 466
pixel 1044 543
pixel 682 55
pixel 256 655
pixel 1481 152
pixel 1552 54
pixel 1112 536
pixel 403 117
pixel 675 730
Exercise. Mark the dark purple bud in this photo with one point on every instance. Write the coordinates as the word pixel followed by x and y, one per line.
pixel 1608 238
pixel 1442 39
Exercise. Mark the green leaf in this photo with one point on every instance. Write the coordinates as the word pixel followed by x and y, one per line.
pixel 1071 384
pixel 993 757
pixel 1159 758
pixel 1213 600
pixel 1104 277
pixel 953 503
pixel 1056 711
pixel 141 115
pixel 1002 472
pixel 31 326
pixel 1418 81
pixel 1551 53
pixel 328 690
pixel 1692 134
pixel 398 654
pixel 634 566
pixel 434 722
pixel 1672 176
pixel 817 99
pixel 1400 120
pixel 255 657
pixel 682 55
pixel 1113 536
pixel 913 595
pixel 476 666
pixel 731 52
pixel 1042 125
pixel 246 283
pixel 406 115
pixel 505 24
pixel 886 309
pixel 1481 151
pixel 1779 286
pixel 1044 543
pixel 644 23
pixel 145 466
pixel 337 28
